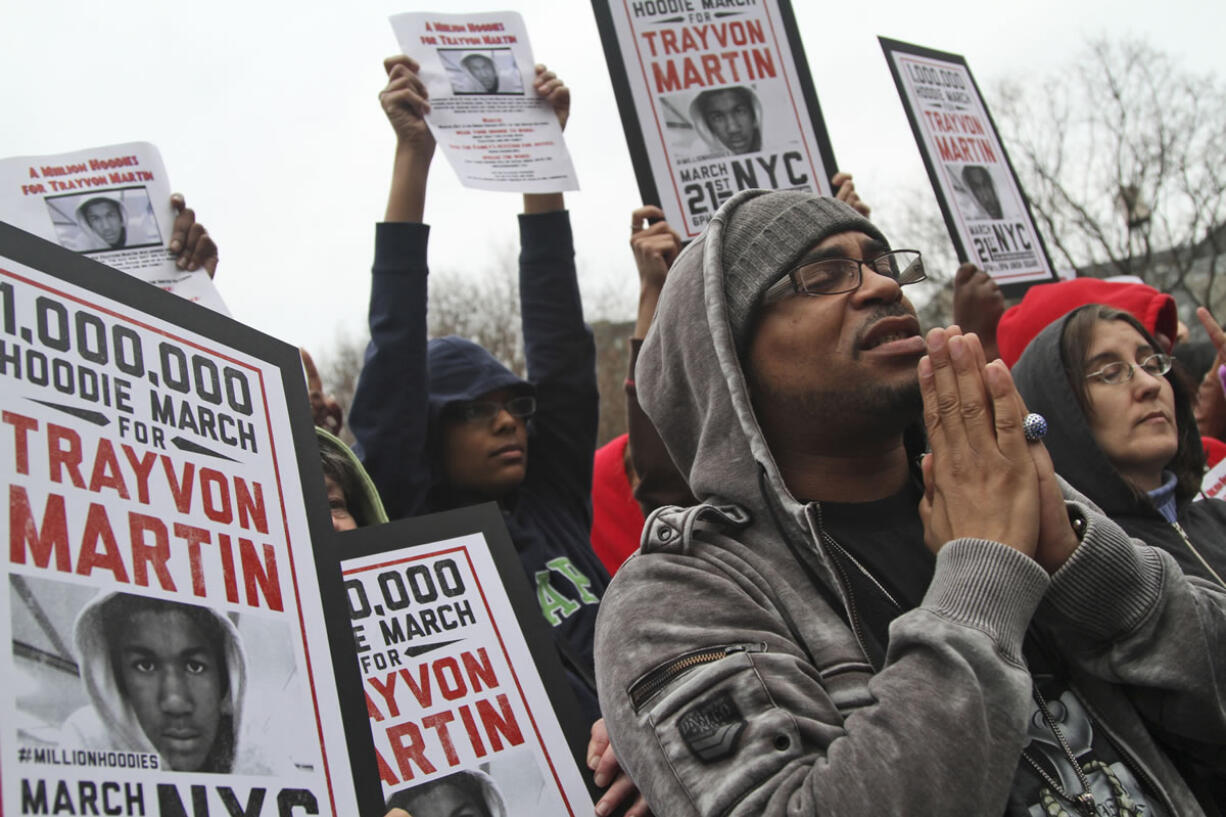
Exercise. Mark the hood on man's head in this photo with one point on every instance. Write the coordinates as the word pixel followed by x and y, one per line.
pixel 689 375
pixel 461 370
pixel 113 721
pixel 698 108
pixel 1044 303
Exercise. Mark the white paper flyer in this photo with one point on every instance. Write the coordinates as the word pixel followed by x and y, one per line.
pixel 110 203
pixel 485 115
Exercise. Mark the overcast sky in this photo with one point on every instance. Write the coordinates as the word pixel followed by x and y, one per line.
pixel 267 118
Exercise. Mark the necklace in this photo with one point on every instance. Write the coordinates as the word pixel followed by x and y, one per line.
pixel 1084 802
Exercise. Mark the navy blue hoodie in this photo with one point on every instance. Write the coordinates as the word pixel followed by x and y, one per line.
pixel 406 383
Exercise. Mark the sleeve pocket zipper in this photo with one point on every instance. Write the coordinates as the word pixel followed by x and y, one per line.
pixel 656 680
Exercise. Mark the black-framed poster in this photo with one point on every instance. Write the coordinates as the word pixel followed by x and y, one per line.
pixel 464 696
pixel 160 592
pixel 985 209
pixel 713 102
pixel 187 630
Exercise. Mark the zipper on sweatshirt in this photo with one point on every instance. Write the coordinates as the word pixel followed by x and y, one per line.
pixel 853 614
pixel 658 679
pixel 868 574
pixel 1187 541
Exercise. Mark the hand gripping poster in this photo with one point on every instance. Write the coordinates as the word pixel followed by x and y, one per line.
pixel 167 654
pixel 494 129
pixel 985 209
pixel 715 98
pixel 110 203
pixel 466 702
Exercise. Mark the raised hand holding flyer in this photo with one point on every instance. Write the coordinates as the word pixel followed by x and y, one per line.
pixel 111 203
pixel 486 116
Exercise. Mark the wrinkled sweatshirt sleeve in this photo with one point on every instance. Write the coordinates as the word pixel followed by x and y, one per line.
pixel 777 729
pixel 1125 613
pixel 390 408
pixel 561 357
pixel 660 481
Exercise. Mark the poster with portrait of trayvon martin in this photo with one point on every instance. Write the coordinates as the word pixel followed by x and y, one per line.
pixel 985 208
pixel 715 98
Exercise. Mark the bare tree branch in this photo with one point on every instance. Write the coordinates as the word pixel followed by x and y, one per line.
pixel 1122 156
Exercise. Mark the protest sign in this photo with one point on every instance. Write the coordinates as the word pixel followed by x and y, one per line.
pixel 111 203
pixel 495 130
pixel 464 693
pixel 1213 483
pixel 168 651
pixel 985 210
pixel 715 97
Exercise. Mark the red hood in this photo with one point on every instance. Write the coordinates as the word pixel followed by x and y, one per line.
pixel 1047 302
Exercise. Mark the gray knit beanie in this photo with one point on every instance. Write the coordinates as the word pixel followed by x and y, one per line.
pixel 765 234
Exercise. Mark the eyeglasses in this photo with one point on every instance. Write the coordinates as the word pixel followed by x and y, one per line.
pixel 835 276
pixel 482 411
pixel 1121 371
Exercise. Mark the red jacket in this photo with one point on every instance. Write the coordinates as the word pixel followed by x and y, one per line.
pixel 617 519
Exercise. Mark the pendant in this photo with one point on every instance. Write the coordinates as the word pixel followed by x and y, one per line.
pixel 1085 804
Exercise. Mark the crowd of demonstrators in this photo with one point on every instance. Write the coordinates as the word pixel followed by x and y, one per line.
pixel 861 576
pixel 820 658
pixel 809 575
pixel 441 424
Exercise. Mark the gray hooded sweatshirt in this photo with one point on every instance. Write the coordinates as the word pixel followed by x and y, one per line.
pixel 732 671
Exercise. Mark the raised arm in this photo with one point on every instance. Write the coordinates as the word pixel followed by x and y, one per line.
pixel 405 100
pixel 655 245
pixel 558 345
pixel 547 85
pixel 390 410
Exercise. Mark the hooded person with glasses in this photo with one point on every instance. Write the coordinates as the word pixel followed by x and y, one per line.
pixel 1121 431
pixel 842 627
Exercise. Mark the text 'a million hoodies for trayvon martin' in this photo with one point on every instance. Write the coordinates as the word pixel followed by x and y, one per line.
pixel 736 675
